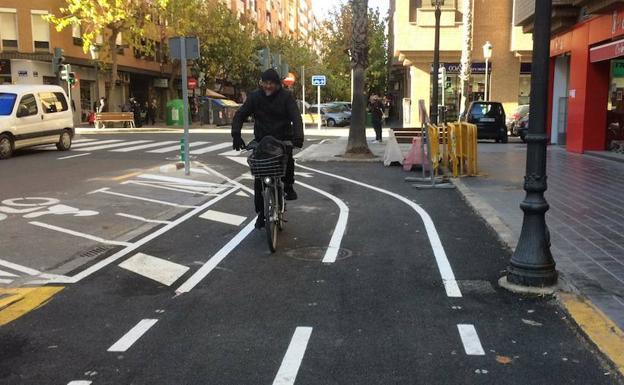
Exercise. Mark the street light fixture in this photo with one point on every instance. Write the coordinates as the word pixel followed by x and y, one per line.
pixel 532 263
pixel 487 54
pixel 94 51
pixel 433 107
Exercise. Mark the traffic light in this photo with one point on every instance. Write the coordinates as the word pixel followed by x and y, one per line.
pixel 65 70
pixel 58 60
pixel 264 57
pixel 442 75
pixel 71 78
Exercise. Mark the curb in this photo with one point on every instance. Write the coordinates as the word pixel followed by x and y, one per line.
pixel 595 325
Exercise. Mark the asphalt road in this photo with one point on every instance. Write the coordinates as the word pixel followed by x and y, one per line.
pixel 190 294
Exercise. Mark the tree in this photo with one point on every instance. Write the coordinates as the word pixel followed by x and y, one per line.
pixel 464 74
pixel 105 20
pixel 356 144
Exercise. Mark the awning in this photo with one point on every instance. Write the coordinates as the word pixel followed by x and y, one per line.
pixel 606 51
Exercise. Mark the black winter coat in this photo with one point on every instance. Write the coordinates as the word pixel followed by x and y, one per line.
pixel 276 115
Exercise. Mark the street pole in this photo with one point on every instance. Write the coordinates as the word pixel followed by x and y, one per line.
pixel 303 82
pixel 318 105
pixel 97 85
pixel 185 122
pixel 433 108
pixel 532 263
pixel 487 94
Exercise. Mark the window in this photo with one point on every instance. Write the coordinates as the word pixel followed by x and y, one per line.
pixel 77 34
pixel 7 101
pixel 27 106
pixel 53 102
pixel 414 5
pixel 489 110
pixel 119 44
pixel 268 21
pixel 8 31
pixel 40 31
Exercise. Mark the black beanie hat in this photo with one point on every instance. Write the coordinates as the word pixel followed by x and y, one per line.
pixel 271 75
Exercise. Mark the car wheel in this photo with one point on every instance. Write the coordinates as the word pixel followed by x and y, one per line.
pixel 65 141
pixel 331 123
pixel 6 146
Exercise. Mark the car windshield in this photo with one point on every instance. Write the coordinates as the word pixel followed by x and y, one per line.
pixel 332 110
pixel 7 101
pixel 480 110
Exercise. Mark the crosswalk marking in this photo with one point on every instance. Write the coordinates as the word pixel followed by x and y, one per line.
pixel 83 140
pixel 112 145
pixel 125 342
pixel 218 216
pixel 208 149
pixel 6 274
pixel 157 269
pixel 85 144
pixel 144 146
pixel 175 148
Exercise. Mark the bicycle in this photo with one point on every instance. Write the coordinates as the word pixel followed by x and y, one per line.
pixel 271 171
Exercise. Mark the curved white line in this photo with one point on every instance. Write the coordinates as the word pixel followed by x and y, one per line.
pixel 341 225
pixel 444 266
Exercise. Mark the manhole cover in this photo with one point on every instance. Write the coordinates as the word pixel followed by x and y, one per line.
pixel 315 254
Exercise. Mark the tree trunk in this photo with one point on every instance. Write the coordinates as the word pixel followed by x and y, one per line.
pixel 112 45
pixel 356 145
pixel 466 64
pixel 175 67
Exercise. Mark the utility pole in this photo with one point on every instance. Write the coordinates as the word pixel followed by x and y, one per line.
pixel 532 263
pixel 433 107
pixel 303 81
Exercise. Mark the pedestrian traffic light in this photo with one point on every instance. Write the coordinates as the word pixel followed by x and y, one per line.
pixel 58 60
pixel 65 70
pixel 264 58
pixel 71 78
pixel 442 75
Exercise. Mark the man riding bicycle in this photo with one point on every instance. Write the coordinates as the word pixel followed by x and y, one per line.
pixel 275 114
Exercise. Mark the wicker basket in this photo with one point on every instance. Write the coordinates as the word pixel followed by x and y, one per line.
pixel 275 166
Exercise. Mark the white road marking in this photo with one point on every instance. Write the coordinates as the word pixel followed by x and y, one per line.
pixel 5 281
pixel 291 362
pixel 230 153
pixel 242 194
pixel 341 225
pixel 20 268
pixel 239 159
pixel 212 148
pixel 79 382
pixel 111 145
pixel 188 189
pixel 175 148
pixel 6 274
pixel 74 156
pixel 98 142
pixel 122 253
pixel 158 269
pixel 106 190
pixel 138 218
pixel 132 336
pixel 470 340
pixel 79 234
pixel 180 181
pixel 218 216
pixel 214 261
pixel 444 266
pixel 144 146
pixel 83 140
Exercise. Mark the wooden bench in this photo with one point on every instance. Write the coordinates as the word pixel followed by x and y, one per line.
pixel 114 117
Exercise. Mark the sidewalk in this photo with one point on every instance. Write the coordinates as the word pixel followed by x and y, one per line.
pixel 586 216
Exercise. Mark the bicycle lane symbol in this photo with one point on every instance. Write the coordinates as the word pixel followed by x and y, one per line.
pixel 35 207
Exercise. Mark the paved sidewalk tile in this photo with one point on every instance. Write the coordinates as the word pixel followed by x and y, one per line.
pixel 586 216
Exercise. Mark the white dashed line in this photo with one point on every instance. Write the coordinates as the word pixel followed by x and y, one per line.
pixel 144 146
pixel 132 336
pixel 175 148
pixel 80 382
pixel 99 146
pixel 218 216
pixel 470 340
pixel 157 269
pixel 74 156
pixel 287 372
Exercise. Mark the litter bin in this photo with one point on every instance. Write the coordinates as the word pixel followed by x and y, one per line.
pixel 175 109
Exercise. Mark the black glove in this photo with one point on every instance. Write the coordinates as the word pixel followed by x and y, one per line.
pixel 238 143
pixel 298 143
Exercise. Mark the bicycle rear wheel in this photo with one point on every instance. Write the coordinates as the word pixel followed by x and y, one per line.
pixel 270 217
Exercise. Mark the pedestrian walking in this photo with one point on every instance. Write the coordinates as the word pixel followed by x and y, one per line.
pixel 377 113
pixel 152 110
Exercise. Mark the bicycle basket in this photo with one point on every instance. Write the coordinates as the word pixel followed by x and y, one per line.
pixel 274 166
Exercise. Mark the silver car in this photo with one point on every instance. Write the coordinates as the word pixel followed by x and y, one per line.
pixel 331 115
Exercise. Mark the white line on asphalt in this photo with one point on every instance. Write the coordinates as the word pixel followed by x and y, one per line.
pixel 79 234
pixel 181 181
pixel 188 190
pixel 158 269
pixel 81 145
pixel 175 148
pixel 5 281
pixel 239 159
pixel 20 268
pixel 227 218
pixel 444 266
pixel 144 146
pixel 132 336
pixel 214 261
pixel 79 382
pixel 6 274
pixel 289 368
pixel 138 218
pixel 334 244
pixel 82 140
pixel 207 170
pixel 212 148
pixel 230 153
pixel 122 253
pixel 74 156
pixel 112 145
pixel 106 190
pixel 470 340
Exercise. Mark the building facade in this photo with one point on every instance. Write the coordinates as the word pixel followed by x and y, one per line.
pixel 586 97
pixel 412 24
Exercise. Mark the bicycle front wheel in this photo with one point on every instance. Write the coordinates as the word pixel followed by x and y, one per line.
pixel 270 216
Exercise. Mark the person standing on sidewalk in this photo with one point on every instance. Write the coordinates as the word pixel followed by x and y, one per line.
pixel 151 112
pixel 377 117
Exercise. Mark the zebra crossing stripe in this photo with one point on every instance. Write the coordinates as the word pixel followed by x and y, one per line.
pixel 112 145
pixel 144 146
pixel 80 145
pixel 212 148
pixel 175 148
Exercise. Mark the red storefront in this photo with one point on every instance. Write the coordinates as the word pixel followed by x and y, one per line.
pixel 587 84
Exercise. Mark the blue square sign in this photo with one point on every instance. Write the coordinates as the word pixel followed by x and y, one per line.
pixel 319 80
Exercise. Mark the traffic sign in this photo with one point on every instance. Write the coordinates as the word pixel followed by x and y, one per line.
pixel 192 83
pixel 319 80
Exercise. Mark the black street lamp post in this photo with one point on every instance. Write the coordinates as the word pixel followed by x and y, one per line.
pixel 532 263
pixel 433 107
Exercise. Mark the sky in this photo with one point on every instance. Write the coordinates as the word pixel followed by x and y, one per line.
pixel 322 6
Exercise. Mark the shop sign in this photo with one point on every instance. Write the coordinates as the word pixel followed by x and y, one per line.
pixel 606 51
pixel 618 68
pixel 617 23
pixel 22 73
pixel 455 68
pixel 161 83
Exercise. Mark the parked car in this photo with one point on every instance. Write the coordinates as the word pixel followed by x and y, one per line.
pixel 346 105
pixel 32 115
pixel 522 128
pixel 490 120
pixel 331 115
pixel 512 121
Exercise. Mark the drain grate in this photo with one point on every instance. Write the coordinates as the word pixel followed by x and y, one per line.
pixel 95 252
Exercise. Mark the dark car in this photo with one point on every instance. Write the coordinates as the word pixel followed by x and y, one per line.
pixel 512 122
pixel 489 117
pixel 522 127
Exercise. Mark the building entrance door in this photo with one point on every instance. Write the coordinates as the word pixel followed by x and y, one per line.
pixel 561 82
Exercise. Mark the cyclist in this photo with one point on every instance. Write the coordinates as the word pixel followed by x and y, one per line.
pixel 276 114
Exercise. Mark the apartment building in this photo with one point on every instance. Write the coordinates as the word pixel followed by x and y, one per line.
pixel 412 27
pixel 27 43
pixel 586 97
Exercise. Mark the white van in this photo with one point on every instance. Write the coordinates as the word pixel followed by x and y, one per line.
pixel 31 115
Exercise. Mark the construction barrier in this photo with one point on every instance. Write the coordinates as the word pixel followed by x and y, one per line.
pixel 461 148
